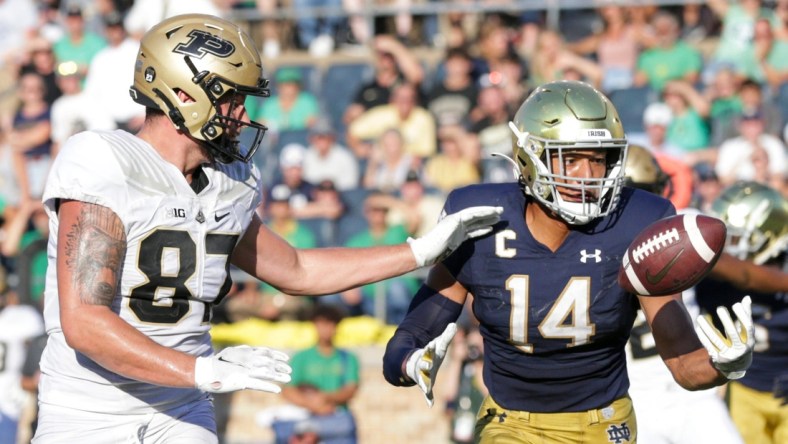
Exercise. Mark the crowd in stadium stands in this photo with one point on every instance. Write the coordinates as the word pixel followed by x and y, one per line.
pixel 369 134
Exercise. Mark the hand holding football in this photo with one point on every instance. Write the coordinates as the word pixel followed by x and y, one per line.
pixel 672 254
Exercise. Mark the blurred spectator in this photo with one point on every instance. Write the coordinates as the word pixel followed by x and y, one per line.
pixel 656 120
pixel 720 104
pixel 9 184
pixel 494 45
pixel 752 99
pixel 146 13
pixel 415 123
pixel 291 167
pixel 78 45
pixel 455 94
pixel 514 80
pixel 738 28
pixel 42 62
pixel 770 54
pixel 490 131
pixel 456 164
pixel 325 159
pixel 316 31
pixel 388 163
pixel 552 60
pixel 50 25
pixel 19 324
pixel 29 136
pixel 616 47
pixel 74 111
pixel 17 17
pixel 290 108
pixel 687 129
pixel 394 64
pixel 325 379
pixel 707 186
pixel 414 208
pixel 698 23
pixel 464 386
pixel 670 58
pixel 396 293
pixel 110 74
pixel 754 155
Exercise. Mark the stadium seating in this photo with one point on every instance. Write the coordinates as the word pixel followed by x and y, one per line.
pixel 340 83
pixel 631 103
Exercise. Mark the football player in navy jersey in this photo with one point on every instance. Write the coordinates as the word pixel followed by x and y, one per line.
pixel 757 219
pixel 143 230
pixel 544 286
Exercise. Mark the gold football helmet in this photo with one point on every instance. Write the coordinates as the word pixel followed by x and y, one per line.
pixel 757 220
pixel 564 116
pixel 217 65
pixel 642 171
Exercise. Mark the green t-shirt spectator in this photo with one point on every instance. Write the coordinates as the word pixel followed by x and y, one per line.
pixel 662 65
pixel 81 53
pixel 325 373
pixel 736 43
pixel 688 131
pixel 273 116
pixel 726 106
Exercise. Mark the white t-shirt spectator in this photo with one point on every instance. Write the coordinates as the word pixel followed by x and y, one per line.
pixel 734 160
pixel 75 113
pixel 109 77
pixel 147 13
pixel 339 166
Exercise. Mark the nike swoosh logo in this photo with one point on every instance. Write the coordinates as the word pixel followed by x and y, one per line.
pixel 662 273
pixel 219 218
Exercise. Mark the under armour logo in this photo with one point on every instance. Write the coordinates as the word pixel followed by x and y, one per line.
pixel 491 414
pixel 618 434
pixel 584 256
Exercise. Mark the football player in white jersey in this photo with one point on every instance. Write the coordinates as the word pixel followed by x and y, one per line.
pixel 19 324
pixel 143 231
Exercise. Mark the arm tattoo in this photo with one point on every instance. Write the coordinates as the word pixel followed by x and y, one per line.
pixel 95 248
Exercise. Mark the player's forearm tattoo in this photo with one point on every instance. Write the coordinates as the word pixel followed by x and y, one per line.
pixel 95 248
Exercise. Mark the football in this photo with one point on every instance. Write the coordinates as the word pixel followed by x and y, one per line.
pixel 672 254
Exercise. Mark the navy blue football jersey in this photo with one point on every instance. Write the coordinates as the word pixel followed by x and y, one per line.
pixel 770 316
pixel 554 323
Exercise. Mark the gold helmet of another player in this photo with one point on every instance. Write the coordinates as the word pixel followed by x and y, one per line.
pixel 642 171
pixel 564 116
pixel 757 220
pixel 216 65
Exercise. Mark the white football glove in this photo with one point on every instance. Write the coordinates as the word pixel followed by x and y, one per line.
pixel 731 355
pixel 453 230
pixel 242 367
pixel 422 366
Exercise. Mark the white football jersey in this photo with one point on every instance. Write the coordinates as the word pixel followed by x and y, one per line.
pixel 176 265
pixel 19 324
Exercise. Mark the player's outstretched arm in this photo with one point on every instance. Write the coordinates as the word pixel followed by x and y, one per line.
pixel 677 343
pixel 748 276
pixel 730 352
pixel 265 255
pixel 91 248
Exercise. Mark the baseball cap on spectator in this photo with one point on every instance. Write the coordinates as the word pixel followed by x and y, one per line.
pixel 321 127
pixel 705 171
pixel 412 176
pixel 657 114
pixel 286 75
pixel 113 19
pixel 292 155
pixel 74 10
pixel 749 115
pixel 279 193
